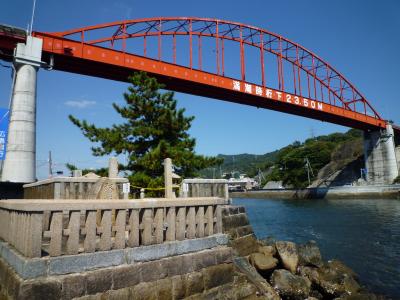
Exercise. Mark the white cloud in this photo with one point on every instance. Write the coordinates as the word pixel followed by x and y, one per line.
pixel 80 103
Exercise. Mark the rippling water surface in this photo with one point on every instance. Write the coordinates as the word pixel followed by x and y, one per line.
pixel 365 234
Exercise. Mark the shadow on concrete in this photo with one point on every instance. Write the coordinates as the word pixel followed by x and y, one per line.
pixel 11 190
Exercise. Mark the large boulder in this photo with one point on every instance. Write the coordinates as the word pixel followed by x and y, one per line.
pixel 310 273
pixel 245 245
pixel 243 265
pixel 339 267
pixel 267 250
pixel 268 241
pixel 289 285
pixel 263 262
pixel 309 254
pixel 336 279
pixel 333 279
pixel 288 254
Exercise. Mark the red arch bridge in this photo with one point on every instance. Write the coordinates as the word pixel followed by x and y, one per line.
pixel 207 57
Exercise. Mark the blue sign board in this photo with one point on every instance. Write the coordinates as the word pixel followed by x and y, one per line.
pixel 4 119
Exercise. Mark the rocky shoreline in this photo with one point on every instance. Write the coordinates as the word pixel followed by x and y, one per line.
pixel 291 271
pixel 366 192
pixel 288 271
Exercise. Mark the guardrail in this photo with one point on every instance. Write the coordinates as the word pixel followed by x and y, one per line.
pixel 66 227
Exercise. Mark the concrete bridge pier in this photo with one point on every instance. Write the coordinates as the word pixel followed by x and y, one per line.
pixel 20 161
pixel 380 156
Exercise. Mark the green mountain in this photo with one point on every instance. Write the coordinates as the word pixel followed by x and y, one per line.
pixel 242 163
pixel 294 163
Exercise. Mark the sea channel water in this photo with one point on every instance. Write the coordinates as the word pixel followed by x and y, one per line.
pixel 364 234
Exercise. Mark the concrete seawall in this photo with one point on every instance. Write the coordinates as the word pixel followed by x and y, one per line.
pixel 350 192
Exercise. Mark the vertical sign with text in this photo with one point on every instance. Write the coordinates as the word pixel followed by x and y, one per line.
pixel 4 119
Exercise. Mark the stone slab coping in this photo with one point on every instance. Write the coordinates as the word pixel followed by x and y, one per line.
pixel 201 180
pixel 29 268
pixel 72 179
pixel 94 204
pixel 365 188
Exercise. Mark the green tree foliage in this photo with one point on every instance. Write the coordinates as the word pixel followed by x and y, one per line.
pixel 154 129
pixel 249 164
pixel 290 165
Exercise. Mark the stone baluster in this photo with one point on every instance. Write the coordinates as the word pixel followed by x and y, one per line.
pixel 200 222
pixel 119 229
pixel 181 224
pixel 72 232
pixel 159 225
pixel 133 228
pixel 89 243
pixel 105 230
pixel 55 234
pixel 209 230
pixel 147 222
pixel 191 222
pixel 171 221
pixel 218 219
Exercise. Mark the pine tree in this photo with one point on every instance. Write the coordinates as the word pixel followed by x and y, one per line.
pixel 154 129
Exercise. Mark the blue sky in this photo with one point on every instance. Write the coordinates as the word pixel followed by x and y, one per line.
pixel 359 38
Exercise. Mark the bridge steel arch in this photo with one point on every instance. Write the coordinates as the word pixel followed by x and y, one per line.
pixel 305 84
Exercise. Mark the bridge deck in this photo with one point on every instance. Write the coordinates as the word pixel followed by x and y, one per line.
pixel 93 60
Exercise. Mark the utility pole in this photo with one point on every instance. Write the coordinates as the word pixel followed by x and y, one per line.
pixel 50 166
pixel 309 168
pixel 312 135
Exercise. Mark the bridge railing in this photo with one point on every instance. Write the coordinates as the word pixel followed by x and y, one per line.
pixel 66 227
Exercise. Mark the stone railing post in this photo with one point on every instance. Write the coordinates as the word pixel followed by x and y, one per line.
pixel 113 167
pixel 168 178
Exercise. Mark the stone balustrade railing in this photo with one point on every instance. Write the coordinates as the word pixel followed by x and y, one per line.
pixel 66 227
pixel 199 187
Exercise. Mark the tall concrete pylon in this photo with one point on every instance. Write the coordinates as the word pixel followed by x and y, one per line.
pixel 20 161
pixel 380 156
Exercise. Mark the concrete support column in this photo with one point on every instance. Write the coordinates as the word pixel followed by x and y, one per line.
pixel 20 162
pixel 380 156
pixel 397 151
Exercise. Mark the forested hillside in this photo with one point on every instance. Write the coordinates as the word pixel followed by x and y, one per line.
pixel 288 164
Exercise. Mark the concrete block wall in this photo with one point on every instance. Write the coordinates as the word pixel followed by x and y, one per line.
pixel 191 272
pixel 204 274
pixel 236 224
